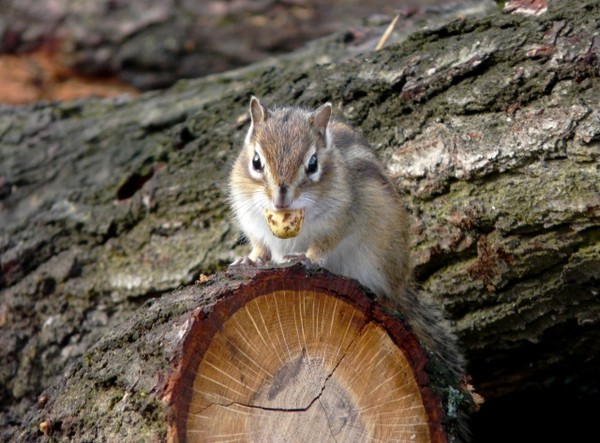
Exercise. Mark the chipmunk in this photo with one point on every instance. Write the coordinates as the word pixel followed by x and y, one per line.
pixel 355 223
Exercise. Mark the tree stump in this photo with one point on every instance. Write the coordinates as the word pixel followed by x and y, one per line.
pixel 279 354
pixel 291 358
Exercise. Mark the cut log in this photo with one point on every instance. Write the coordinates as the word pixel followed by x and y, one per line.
pixel 281 354
pixel 303 359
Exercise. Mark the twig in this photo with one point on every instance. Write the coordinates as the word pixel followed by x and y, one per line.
pixel 387 33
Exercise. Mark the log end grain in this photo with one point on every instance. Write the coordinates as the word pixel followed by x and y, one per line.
pixel 297 357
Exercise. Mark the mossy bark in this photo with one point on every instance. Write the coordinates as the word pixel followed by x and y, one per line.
pixel 489 126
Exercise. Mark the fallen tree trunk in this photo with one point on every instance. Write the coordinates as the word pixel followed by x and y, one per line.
pixel 260 355
pixel 489 126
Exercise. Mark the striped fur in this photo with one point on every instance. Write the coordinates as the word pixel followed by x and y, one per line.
pixel 355 223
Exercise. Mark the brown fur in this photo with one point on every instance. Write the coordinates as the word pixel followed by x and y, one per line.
pixel 356 224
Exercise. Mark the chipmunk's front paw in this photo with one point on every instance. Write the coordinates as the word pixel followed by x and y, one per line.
pixel 247 262
pixel 300 258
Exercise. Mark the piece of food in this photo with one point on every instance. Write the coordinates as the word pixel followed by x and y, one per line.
pixel 285 223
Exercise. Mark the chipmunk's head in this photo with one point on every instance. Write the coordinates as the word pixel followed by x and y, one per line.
pixel 287 154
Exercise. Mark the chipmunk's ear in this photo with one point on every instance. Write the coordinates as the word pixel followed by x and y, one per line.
pixel 322 116
pixel 257 112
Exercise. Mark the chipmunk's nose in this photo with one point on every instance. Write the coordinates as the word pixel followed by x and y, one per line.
pixel 282 198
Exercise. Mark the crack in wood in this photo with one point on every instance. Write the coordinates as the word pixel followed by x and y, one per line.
pixel 301 409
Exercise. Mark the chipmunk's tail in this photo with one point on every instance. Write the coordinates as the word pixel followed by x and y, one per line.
pixel 431 327
pixel 435 333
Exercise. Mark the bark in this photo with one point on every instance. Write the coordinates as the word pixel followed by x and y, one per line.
pixel 490 127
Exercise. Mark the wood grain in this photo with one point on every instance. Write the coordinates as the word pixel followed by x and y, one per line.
pixel 290 360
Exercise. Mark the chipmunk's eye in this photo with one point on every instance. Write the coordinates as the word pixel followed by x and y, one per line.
pixel 257 163
pixel 313 165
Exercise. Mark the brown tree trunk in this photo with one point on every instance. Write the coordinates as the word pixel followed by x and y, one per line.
pixel 297 356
